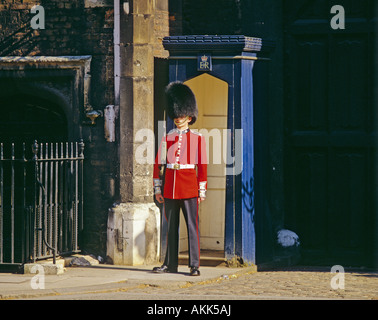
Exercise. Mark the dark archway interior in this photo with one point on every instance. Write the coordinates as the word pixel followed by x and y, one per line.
pixel 25 118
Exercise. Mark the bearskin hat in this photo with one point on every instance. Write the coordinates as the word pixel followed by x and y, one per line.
pixel 181 101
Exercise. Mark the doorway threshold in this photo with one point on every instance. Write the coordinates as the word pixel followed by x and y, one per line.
pixel 211 258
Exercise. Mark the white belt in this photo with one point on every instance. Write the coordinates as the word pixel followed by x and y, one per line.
pixel 178 166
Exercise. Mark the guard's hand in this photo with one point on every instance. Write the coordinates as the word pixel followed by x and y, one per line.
pixel 159 198
pixel 201 199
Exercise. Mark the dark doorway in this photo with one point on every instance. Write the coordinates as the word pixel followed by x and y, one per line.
pixel 329 131
pixel 25 118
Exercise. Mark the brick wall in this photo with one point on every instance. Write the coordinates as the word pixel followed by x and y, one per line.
pixel 161 29
pixel 74 28
pixel 81 27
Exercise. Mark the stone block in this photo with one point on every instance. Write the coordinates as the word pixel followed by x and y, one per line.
pixel 162 5
pixel 138 60
pixel 143 29
pixel 143 89
pixel 133 234
pixel 143 6
pixel 48 267
pixel 142 187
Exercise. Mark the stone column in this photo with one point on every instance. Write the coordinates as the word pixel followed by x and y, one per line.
pixel 134 224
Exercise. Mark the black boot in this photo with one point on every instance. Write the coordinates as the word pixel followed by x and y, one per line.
pixel 194 271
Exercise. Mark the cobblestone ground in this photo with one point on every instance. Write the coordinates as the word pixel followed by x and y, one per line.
pixel 291 284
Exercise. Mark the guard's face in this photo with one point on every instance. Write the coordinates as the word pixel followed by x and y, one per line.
pixel 182 122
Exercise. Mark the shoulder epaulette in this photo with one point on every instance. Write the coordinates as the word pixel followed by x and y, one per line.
pixel 195 132
pixel 172 131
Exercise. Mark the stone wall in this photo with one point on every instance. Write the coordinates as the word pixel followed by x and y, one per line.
pixel 85 27
pixel 143 27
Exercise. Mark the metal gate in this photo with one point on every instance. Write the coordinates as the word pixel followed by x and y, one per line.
pixel 41 200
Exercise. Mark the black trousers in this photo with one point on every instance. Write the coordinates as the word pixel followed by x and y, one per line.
pixel 172 213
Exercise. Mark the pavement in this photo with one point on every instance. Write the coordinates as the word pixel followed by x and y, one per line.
pixel 217 283
pixel 106 278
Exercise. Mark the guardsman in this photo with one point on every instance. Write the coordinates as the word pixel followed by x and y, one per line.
pixel 185 176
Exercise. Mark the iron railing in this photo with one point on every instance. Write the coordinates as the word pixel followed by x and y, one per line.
pixel 41 200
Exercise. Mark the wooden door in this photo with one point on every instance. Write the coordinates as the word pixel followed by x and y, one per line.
pixel 212 100
pixel 329 131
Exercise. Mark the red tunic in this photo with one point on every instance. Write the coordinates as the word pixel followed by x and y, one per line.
pixel 186 148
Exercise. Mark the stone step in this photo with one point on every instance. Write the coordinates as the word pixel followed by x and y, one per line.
pixel 75 260
pixel 47 266
pixel 207 258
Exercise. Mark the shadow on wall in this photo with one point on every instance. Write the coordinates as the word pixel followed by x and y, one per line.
pixel 60 33
pixel 21 42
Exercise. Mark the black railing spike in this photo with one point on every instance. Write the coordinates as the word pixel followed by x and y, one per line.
pixel 53 209
pixel 35 149
pixel 81 148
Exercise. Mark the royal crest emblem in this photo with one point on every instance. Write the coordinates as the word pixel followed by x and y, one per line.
pixel 204 62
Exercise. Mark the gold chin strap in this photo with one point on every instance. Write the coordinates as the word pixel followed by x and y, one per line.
pixel 182 121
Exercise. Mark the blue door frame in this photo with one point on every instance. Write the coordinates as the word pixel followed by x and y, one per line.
pixel 232 60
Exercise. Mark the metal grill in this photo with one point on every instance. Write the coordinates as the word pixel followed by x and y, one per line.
pixel 41 200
